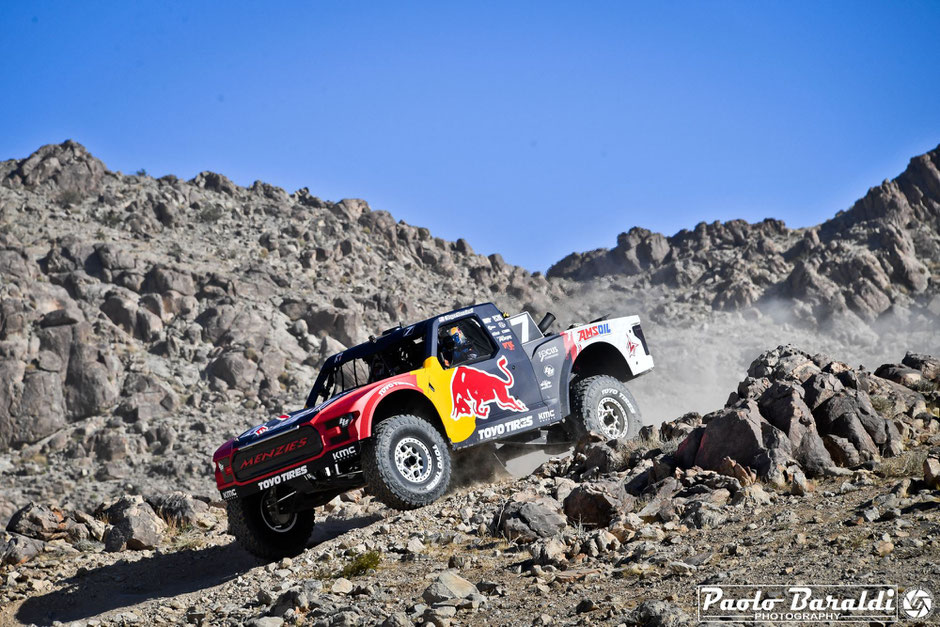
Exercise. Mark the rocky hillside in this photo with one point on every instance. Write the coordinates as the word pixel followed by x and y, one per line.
pixel 810 462
pixel 144 321
pixel 859 285
pixel 879 258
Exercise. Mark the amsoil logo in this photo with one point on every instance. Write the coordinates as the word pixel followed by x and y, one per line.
pixel 472 391
pixel 597 329
pixel 274 452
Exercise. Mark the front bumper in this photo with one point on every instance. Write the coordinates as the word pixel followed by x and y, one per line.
pixel 338 469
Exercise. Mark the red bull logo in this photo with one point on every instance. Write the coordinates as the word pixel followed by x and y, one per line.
pixel 472 391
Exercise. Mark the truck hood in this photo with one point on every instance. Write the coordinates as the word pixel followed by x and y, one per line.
pixel 285 422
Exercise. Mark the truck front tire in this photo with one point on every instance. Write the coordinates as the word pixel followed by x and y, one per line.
pixel 262 531
pixel 604 405
pixel 406 462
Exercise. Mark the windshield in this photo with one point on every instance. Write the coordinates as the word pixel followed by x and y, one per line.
pixel 390 358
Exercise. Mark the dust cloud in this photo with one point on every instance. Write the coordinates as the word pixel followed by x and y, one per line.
pixel 701 355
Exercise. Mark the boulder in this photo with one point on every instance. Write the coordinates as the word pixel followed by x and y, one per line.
pixel 688 448
pixel 841 451
pixel 730 468
pixel 122 311
pixel 680 427
pixel 230 324
pixel 839 416
pixel 932 472
pixel 134 525
pixel 927 365
pixel 784 363
pixel 704 515
pixel 66 167
pixel 16 549
pixel 111 445
pixel 550 551
pixel 89 389
pixel 344 325
pixel 775 456
pixel 181 508
pixel 44 523
pixel 162 280
pixel 783 406
pixel 597 503
pixel 599 457
pixel 819 388
pixel 659 614
pixel 145 397
pixel 734 432
pixel 233 369
pixel 908 377
pixel 215 182
pixel 526 522
pixel 449 585
pixel 60 317
pixel 894 398
pixel 41 407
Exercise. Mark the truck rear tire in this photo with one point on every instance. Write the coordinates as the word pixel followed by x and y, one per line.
pixel 406 462
pixel 604 405
pixel 265 533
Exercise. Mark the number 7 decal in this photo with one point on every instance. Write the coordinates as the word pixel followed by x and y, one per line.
pixel 523 331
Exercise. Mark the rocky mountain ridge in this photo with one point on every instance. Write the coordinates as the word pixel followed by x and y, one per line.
pixel 880 257
pixel 143 321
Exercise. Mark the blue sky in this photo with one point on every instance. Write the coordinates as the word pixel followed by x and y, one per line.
pixel 530 129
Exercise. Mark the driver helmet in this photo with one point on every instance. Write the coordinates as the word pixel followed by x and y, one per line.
pixel 455 339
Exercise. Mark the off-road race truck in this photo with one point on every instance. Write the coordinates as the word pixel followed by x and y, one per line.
pixel 393 413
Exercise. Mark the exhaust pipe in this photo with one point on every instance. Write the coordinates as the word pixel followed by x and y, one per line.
pixel 546 323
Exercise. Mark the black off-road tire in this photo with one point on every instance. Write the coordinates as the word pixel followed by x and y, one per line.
pixel 252 531
pixel 422 471
pixel 604 405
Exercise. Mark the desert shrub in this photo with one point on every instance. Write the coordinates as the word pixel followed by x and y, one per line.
pixel 924 386
pixel 69 197
pixel 361 564
pixel 109 218
pixel 210 214
pixel 907 464
pixel 882 404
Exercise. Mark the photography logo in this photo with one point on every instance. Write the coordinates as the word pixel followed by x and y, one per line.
pixel 807 603
pixel 916 603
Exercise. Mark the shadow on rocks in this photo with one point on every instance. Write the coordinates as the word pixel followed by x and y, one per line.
pixel 329 528
pixel 124 584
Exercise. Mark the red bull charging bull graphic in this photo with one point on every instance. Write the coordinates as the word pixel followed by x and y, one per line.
pixel 472 391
